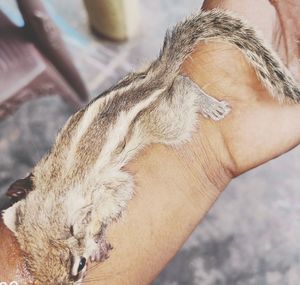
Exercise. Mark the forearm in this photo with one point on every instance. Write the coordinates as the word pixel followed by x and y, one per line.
pixel 170 200
pixel 174 190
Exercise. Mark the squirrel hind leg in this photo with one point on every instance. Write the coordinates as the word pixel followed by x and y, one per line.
pixel 208 106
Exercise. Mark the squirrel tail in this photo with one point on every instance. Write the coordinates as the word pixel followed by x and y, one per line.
pixel 216 24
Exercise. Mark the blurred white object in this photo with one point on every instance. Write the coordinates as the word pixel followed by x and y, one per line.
pixel 115 19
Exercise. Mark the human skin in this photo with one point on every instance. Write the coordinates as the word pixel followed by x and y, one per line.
pixel 176 187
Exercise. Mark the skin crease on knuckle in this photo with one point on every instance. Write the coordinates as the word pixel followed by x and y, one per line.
pixel 83 120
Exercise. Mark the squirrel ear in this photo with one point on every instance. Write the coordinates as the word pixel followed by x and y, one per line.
pixel 20 188
pixel 81 219
pixel 11 217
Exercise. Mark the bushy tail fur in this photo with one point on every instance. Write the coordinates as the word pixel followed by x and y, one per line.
pixel 216 24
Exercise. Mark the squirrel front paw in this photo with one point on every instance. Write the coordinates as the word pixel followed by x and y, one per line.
pixel 101 252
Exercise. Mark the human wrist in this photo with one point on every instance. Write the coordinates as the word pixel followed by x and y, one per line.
pixel 203 68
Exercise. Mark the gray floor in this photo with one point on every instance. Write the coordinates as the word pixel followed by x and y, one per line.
pixel 251 234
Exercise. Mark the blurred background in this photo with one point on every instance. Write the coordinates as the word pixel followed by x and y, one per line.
pixel 251 236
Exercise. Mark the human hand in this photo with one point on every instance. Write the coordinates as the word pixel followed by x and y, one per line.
pixel 257 130
pixel 259 124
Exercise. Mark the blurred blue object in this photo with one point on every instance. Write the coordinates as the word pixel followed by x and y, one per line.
pixel 11 10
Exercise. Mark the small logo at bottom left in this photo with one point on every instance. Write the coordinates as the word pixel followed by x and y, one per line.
pixel 9 283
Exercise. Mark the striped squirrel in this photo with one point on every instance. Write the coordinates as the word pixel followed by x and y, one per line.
pixel 79 187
